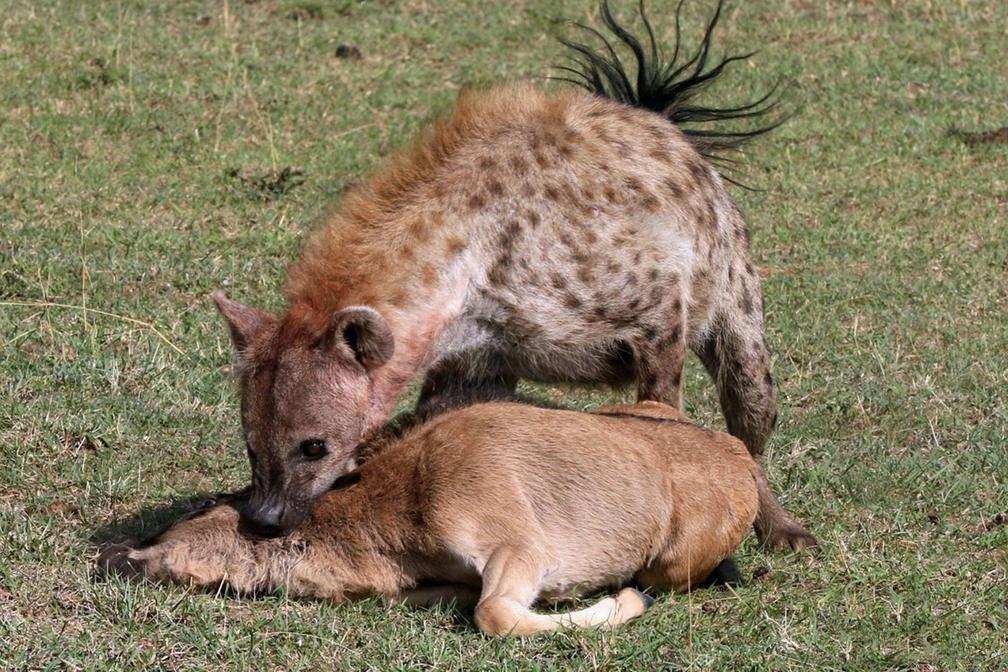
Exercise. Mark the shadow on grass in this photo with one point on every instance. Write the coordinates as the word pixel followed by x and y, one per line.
pixel 150 522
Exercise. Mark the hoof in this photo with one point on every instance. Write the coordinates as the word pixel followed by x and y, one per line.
pixel 115 559
pixel 790 537
pixel 632 602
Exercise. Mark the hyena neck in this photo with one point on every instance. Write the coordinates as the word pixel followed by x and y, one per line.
pixel 415 338
pixel 415 328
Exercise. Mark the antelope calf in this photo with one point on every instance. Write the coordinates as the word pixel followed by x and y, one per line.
pixel 528 503
pixel 548 234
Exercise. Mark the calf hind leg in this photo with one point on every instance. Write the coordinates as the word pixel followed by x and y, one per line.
pixel 510 585
pixel 736 355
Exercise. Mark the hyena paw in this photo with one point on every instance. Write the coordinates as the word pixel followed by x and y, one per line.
pixel 788 536
pixel 118 559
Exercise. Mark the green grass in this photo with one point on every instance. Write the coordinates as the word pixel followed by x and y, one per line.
pixel 138 141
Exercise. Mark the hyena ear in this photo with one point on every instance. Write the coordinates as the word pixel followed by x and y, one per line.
pixel 365 332
pixel 244 322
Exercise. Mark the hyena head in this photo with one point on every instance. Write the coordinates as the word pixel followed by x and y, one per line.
pixel 305 394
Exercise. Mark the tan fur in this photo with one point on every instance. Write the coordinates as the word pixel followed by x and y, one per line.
pixel 522 502
pixel 548 235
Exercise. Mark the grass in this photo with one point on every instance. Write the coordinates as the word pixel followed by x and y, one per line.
pixel 151 152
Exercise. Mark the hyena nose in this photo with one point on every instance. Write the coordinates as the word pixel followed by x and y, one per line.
pixel 263 519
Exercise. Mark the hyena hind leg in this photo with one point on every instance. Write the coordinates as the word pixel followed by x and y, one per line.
pixel 737 357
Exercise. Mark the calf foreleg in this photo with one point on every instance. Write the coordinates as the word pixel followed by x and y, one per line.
pixel 206 550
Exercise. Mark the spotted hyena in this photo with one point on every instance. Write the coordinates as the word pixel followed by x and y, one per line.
pixel 555 235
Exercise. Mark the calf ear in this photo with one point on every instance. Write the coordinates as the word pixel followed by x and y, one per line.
pixel 365 332
pixel 244 322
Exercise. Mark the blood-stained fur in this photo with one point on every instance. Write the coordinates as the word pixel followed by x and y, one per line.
pixel 505 502
pixel 553 235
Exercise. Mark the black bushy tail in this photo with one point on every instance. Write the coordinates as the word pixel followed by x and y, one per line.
pixel 667 88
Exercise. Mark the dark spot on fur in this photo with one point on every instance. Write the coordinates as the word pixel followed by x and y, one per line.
pixel 552 193
pixel 634 304
pixel 613 267
pixel 673 187
pixel 558 281
pixel 454 245
pixel 650 332
pixel 518 164
pixel 571 301
pixel 610 194
pixel 585 275
pixel 749 268
pixel 650 202
pixel 659 154
pixel 495 188
pixel 699 172
pixel 656 294
pixel 746 302
pixel 477 202
pixel 633 184
pixel 653 274
pixel 528 190
pixel 541 159
pixel 631 279
pixel 487 163
pixel 428 275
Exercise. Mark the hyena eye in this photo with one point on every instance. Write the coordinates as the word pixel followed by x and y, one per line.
pixel 313 449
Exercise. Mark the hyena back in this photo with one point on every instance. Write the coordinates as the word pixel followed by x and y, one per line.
pixel 558 236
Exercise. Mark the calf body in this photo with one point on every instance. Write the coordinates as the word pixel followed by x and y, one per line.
pixel 515 502
pixel 551 235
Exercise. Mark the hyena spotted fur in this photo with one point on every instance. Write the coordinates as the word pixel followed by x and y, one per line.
pixel 552 235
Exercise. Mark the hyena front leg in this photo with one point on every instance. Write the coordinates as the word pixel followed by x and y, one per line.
pixel 462 380
pixel 660 357
pixel 736 355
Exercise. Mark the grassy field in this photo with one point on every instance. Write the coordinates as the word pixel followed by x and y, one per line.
pixel 152 152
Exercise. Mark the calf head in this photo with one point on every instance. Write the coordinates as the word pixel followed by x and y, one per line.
pixel 305 395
